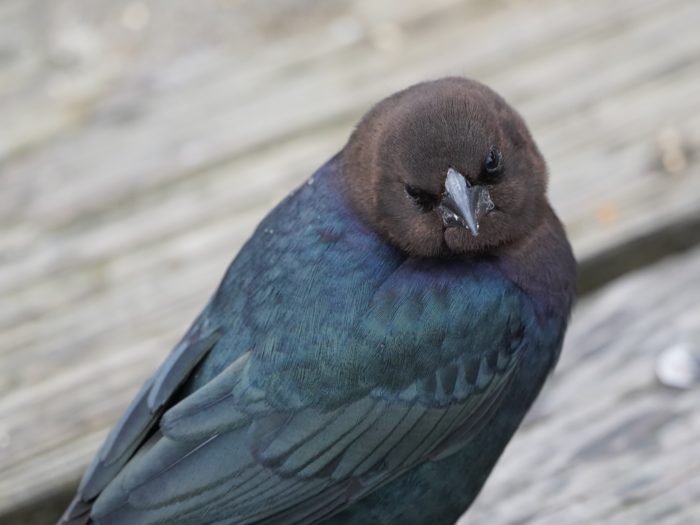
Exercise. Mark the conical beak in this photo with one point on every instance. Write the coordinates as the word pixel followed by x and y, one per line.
pixel 464 204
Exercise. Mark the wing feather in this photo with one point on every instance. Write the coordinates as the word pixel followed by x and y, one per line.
pixel 251 445
pixel 290 463
pixel 144 411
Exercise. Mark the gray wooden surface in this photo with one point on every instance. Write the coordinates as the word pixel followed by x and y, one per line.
pixel 142 141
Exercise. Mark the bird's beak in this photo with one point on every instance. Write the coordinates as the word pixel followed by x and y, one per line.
pixel 463 204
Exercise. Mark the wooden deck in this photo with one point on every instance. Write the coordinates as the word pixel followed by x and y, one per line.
pixel 141 142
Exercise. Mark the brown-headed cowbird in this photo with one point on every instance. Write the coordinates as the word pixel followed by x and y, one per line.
pixel 372 348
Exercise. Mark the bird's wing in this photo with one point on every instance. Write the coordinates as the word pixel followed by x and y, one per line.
pixel 142 415
pixel 239 451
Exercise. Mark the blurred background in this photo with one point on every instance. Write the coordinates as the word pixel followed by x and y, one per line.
pixel 142 141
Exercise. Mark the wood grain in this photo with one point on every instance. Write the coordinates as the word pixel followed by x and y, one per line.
pixel 142 141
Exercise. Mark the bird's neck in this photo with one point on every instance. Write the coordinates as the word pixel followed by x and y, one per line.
pixel 543 265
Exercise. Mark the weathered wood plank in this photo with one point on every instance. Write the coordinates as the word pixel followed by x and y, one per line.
pixel 133 165
pixel 606 442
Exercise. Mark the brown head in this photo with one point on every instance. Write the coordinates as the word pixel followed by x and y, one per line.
pixel 446 167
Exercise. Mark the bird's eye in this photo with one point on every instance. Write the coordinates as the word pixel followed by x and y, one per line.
pixel 422 198
pixel 492 164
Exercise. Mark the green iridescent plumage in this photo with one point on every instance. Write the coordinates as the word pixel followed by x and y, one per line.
pixel 332 377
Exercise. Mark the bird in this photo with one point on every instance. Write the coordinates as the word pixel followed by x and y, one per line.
pixel 373 346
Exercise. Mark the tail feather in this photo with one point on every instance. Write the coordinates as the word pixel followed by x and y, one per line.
pixel 77 513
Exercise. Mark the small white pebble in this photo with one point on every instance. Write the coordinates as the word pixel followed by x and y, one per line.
pixel 670 144
pixel 679 366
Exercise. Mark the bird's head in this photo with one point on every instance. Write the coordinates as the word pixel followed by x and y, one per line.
pixel 446 167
